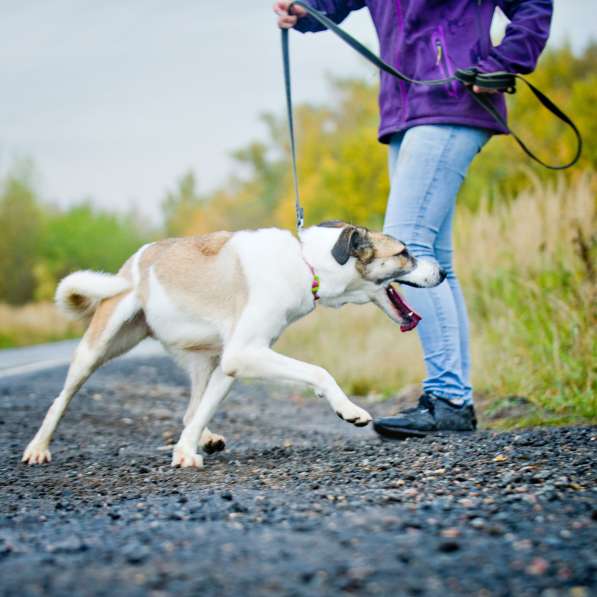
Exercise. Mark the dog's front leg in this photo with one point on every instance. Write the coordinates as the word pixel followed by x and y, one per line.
pixel 264 363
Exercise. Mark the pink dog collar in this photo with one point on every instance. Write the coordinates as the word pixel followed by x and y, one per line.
pixel 315 286
pixel 315 282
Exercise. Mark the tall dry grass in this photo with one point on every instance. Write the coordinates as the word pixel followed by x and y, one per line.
pixel 539 229
pixel 359 346
pixel 34 323
pixel 527 270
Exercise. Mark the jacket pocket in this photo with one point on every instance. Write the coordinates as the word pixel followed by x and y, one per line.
pixel 442 60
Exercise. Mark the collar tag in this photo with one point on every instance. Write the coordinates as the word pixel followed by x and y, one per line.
pixel 315 287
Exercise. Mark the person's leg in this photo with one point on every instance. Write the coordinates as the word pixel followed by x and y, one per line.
pixel 428 164
pixel 443 252
pixel 393 155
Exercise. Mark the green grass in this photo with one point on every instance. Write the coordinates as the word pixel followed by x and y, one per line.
pixel 18 340
pixel 534 334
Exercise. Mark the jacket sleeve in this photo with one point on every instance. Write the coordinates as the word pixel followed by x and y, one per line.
pixel 337 10
pixel 525 38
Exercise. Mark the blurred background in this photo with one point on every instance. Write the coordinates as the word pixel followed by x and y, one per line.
pixel 126 122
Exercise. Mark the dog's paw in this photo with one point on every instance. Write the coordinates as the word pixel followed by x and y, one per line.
pixel 212 442
pixel 36 454
pixel 354 414
pixel 184 458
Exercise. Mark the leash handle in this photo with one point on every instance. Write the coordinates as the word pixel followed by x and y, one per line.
pixel 500 81
pixel 300 214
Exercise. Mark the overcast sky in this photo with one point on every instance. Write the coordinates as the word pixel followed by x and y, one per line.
pixel 116 100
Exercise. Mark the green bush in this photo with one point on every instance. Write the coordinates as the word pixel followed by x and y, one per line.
pixel 41 243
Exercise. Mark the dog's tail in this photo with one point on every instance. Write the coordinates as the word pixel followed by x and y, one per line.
pixel 79 294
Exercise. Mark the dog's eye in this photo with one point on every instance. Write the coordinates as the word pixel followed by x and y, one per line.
pixel 403 253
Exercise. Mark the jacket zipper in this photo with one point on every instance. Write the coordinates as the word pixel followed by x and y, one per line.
pixel 481 49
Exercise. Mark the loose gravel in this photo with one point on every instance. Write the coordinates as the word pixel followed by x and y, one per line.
pixel 300 503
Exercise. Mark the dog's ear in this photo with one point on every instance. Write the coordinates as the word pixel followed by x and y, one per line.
pixel 352 242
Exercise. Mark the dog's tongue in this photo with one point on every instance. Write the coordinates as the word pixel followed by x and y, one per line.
pixel 412 324
pixel 410 317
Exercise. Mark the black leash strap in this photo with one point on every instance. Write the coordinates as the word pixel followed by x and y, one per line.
pixel 300 214
pixel 543 100
pixel 500 81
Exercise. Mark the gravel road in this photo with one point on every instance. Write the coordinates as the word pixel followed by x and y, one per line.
pixel 300 503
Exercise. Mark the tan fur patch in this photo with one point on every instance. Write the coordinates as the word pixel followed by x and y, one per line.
pixel 203 277
pixel 78 302
pixel 211 244
pixel 384 245
pixel 102 316
pixel 380 246
pixel 206 347
pixel 148 257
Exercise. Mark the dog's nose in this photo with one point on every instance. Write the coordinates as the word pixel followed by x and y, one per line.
pixel 442 275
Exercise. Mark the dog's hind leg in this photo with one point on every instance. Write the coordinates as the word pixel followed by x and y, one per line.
pixel 200 366
pixel 117 326
pixel 185 454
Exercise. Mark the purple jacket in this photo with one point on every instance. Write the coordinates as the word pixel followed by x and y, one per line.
pixel 430 39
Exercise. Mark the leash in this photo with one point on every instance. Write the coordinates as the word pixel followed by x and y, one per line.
pixel 500 81
pixel 300 213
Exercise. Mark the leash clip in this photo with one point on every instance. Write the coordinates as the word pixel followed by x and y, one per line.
pixel 300 218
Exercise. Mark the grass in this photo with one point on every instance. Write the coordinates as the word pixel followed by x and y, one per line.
pixel 527 270
pixel 532 291
pixel 360 346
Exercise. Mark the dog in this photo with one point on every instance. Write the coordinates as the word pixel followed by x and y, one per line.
pixel 219 301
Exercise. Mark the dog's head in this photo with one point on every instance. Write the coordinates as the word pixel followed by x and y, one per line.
pixel 378 261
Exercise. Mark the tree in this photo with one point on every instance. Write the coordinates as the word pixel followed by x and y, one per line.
pixel 20 229
pixel 180 205
pixel 82 237
pixel 343 169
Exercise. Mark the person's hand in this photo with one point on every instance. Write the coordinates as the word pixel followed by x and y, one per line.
pixel 478 89
pixel 285 20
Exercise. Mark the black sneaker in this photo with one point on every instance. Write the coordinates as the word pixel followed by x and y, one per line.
pixel 432 414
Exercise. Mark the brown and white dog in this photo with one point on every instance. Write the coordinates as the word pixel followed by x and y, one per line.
pixel 218 302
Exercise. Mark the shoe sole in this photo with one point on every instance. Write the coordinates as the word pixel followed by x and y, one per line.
pixel 400 432
pixel 405 433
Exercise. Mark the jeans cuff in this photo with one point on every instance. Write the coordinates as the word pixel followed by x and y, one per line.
pixel 456 400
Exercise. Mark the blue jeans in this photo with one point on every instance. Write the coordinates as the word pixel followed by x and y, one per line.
pixel 427 166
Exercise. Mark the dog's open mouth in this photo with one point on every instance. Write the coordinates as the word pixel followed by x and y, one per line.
pixel 410 318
